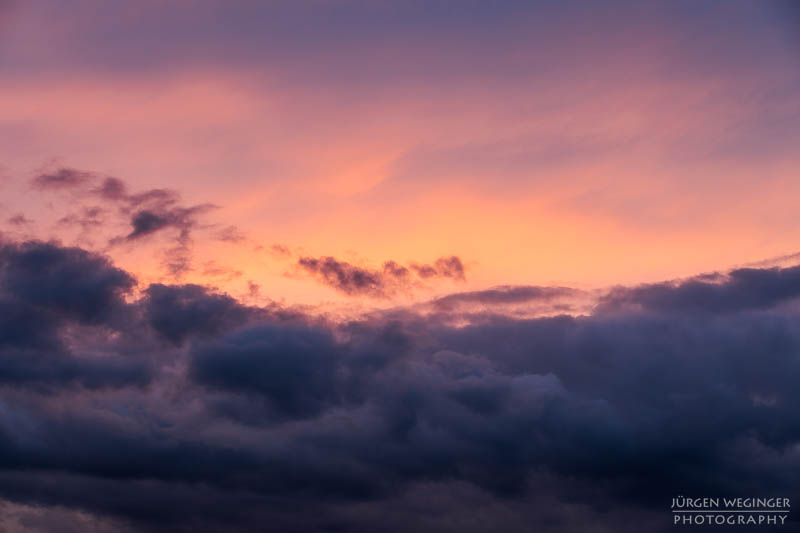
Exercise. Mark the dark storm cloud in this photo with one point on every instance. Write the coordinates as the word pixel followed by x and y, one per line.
pixel 110 450
pixel 354 280
pixel 69 282
pixel 178 312
pixel 47 291
pixel 741 289
pixel 53 369
pixel 257 415
pixel 294 369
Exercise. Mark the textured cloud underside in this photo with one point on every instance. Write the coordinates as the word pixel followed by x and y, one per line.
pixel 186 408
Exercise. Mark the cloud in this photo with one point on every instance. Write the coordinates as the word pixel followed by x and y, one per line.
pixel 98 202
pixel 212 268
pixel 184 219
pixel 782 260
pixel 68 282
pixel 179 312
pixel 293 368
pixel 246 415
pixel 63 178
pixel 147 222
pixel 88 218
pixel 345 277
pixel 253 289
pixel 48 296
pixel 156 211
pixel 740 289
pixel 503 295
pixel 354 280
pixel 112 189
pixel 152 211
pixel 507 301
pixel 18 220
pixel 444 267
pixel 280 250
pixel 231 234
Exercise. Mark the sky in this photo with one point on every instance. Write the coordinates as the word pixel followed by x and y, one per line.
pixel 339 265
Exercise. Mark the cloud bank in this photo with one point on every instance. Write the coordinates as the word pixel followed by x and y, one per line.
pixel 182 408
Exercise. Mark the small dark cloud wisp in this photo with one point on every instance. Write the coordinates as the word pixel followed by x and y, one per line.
pixel 18 220
pixel 98 202
pixel 392 278
pixel 62 178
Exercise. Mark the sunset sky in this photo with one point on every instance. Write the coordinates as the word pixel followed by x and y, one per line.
pixel 540 143
pixel 541 194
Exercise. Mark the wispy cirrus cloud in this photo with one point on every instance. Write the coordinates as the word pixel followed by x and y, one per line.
pixel 98 202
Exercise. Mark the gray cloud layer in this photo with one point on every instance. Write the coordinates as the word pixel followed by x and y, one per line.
pixel 185 409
